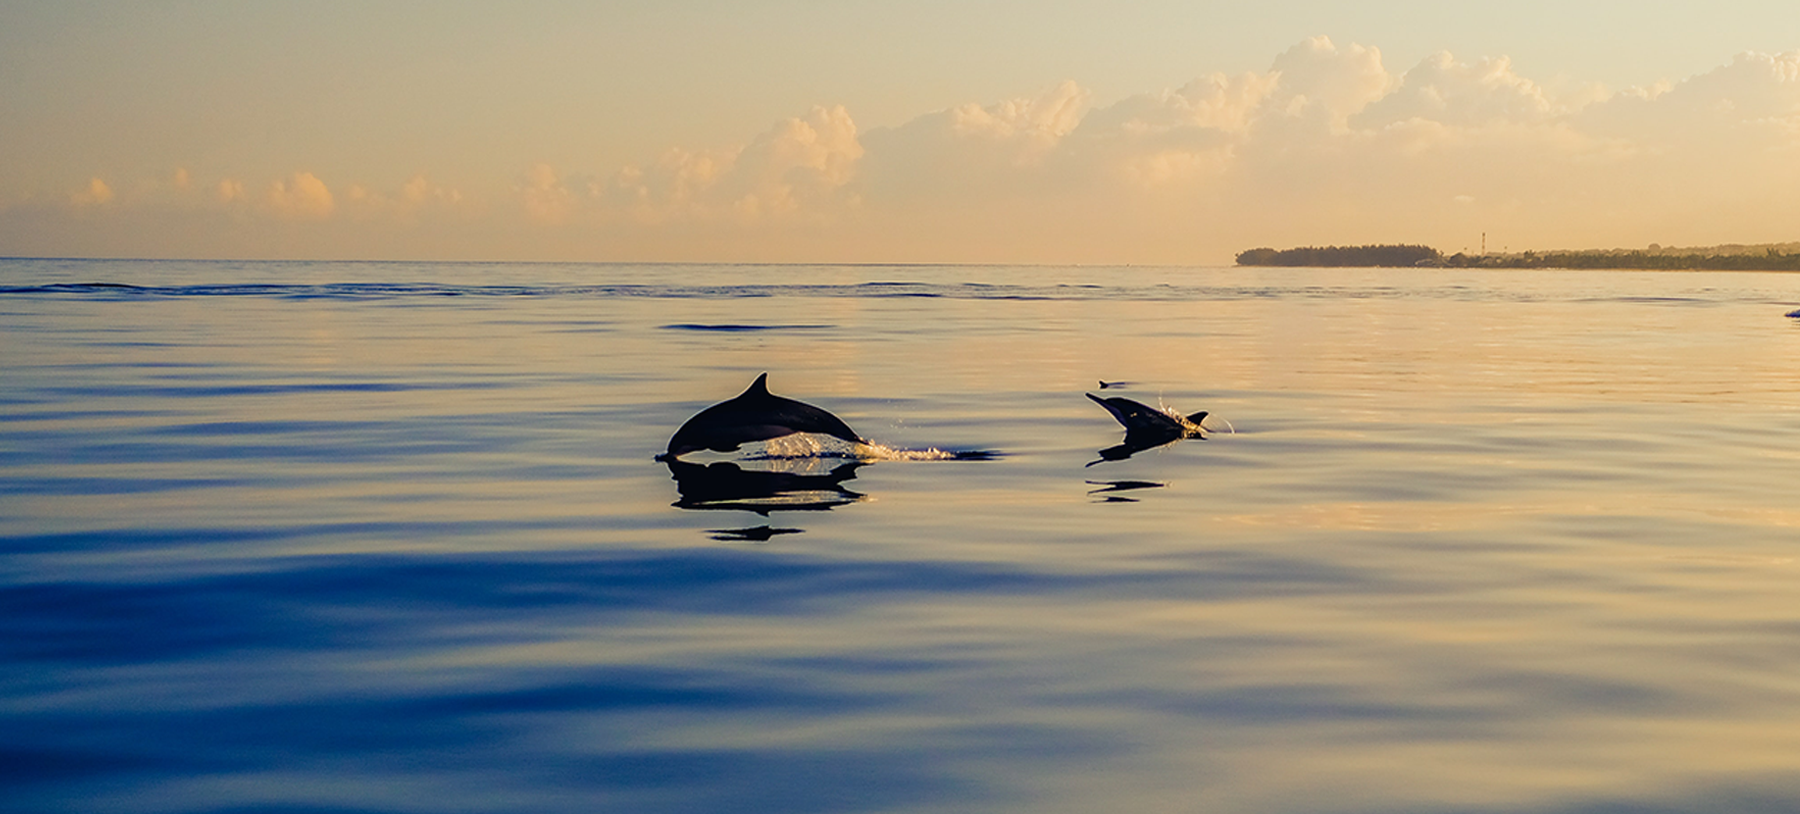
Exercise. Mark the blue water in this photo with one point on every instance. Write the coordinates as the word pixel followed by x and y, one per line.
pixel 389 537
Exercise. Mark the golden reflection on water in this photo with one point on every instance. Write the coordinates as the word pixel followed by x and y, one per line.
pixel 1462 554
pixel 1418 516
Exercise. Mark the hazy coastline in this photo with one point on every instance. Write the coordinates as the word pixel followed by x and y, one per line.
pixel 1727 257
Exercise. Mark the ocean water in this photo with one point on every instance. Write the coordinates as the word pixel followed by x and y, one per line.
pixel 389 537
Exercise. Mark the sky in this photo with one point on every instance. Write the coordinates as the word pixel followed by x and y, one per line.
pixel 1054 131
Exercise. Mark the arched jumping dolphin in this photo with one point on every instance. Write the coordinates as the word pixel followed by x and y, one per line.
pixel 1146 426
pixel 755 415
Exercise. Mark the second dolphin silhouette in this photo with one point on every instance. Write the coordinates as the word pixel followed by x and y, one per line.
pixel 1146 426
pixel 755 415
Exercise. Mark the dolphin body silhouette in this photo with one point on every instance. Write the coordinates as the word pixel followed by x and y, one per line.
pixel 755 415
pixel 1146 426
pixel 1138 417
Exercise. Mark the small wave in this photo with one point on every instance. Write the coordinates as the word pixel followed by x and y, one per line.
pixel 733 328
pixel 885 289
pixel 1643 300
pixel 881 289
pixel 70 288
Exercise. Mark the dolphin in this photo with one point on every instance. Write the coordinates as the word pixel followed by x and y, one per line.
pixel 1146 426
pixel 1143 418
pixel 755 415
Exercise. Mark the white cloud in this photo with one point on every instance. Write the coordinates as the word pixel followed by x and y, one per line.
pixel 418 197
pixel 1217 102
pixel 1340 81
pixel 1029 128
pixel 1444 90
pixel 1326 145
pixel 96 193
pixel 300 196
pixel 677 183
pixel 973 147
pixel 800 163
pixel 1154 140
pixel 1753 87
pixel 800 167
pixel 1755 97
pixel 544 196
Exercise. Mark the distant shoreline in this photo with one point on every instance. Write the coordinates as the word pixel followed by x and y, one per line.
pixel 1761 257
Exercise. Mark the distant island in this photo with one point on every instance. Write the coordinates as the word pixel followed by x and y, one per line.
pixel 1729 257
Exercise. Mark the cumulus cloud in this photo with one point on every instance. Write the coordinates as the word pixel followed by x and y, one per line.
pixel 544 196
pixel 95 194
pixel 419 192
pixel 1026 129
pixel 797 164
pixel 1217 102
pixel 800 167
pixel 417 198
pixel 975 147
pixel 1337 81
pixel 1325 145
pixel 300 196
pixel 1756 96
pixel 677 183
pixel 1156 139
pixel 1753 87
pixel 1444 90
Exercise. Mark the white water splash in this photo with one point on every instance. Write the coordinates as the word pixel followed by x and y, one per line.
pixel 810 446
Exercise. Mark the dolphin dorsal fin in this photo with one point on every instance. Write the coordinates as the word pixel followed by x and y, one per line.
pixel 760 387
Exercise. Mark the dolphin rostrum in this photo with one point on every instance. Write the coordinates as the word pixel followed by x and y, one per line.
pixel 1146 426
pixel 755 415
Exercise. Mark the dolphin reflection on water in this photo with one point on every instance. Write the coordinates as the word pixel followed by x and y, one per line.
pixel 726 485
pixel 1146 427
pixel 754 415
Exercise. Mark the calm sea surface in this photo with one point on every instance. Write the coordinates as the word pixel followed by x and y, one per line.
pixel 389 537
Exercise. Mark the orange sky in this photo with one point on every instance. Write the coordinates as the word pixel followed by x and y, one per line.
pixel 798 131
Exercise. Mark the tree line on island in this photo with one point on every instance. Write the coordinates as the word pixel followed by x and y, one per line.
pixel 1764 257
